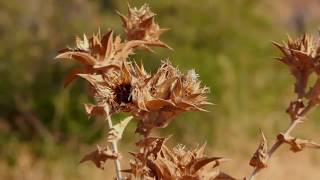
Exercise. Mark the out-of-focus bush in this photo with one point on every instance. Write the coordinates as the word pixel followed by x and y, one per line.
pixel 227 43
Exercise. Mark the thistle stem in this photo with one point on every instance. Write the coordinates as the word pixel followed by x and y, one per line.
pixel 115 149
pixel 278 143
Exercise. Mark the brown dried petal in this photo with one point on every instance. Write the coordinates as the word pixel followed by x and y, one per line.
pixel 197 164
pixel 74 74
pixel 84 58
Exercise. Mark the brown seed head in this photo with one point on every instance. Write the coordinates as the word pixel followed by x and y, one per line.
pixel 166 94
pixel 139 24
pixel 300 56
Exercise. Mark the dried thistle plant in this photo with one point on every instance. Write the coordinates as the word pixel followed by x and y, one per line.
pixel 119 85
pixel 154 100
pixel 302 58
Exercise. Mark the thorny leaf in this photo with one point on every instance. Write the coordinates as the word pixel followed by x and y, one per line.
pixel 100 156
pixel 297 144
pixel 75 73
pixel 115 133
pixel 201 162
pixel 260 157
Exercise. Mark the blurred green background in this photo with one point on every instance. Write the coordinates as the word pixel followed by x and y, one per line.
pixel 227 42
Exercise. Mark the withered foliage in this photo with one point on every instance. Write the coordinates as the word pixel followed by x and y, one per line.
pixel 296 144
pixel 156 161
pixel 123 86
pixel 260 157
pixel 100 156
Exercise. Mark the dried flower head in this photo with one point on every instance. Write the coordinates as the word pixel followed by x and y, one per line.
pixel 166 94
pixel 139 24
pixel 300 55
pixel 156 161
pixel 112 91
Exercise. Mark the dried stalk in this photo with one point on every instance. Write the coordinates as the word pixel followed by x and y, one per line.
pixel 114 147
pixel 278 142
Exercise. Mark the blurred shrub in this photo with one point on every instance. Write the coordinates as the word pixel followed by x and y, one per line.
pixel 227 43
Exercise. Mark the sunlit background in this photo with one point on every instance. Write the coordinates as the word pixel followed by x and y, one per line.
pixel 44 129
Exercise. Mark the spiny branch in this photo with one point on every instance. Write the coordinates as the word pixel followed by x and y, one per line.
pixel 275 146
pixel 302 57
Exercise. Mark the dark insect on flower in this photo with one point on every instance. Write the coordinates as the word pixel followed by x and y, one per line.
pixel 112 90
pixel 123 93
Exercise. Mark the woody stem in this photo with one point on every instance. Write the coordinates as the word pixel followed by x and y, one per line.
pixel 278 143
pixel 115 150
